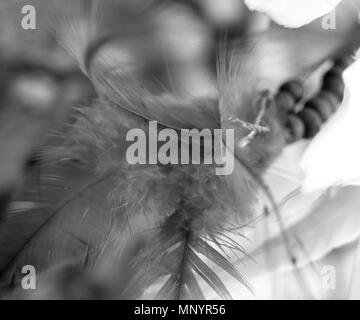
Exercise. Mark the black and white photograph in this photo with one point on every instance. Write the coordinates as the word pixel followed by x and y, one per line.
pixel 179 150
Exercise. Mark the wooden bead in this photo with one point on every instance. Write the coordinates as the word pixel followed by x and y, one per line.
pixel 295 88
pixel 296 128
pixel 322 106
pixel 334 87
pixel 334 83
pixel 285 101
pixel 332 75
pixel 331 98
pixel 312 122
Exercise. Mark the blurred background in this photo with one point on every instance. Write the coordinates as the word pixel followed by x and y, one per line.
pixel 316 181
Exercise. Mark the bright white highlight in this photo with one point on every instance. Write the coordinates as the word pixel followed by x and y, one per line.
pixel 293 13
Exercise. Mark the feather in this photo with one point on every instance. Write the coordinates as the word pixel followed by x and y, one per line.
pixel 88 194
pixel 69 210
pixel 175 254
pixel 127 88
pixel 116 76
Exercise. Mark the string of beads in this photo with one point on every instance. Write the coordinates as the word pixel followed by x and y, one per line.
pixel 306 122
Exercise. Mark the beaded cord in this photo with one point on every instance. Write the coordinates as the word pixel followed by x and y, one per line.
pixel 307 122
